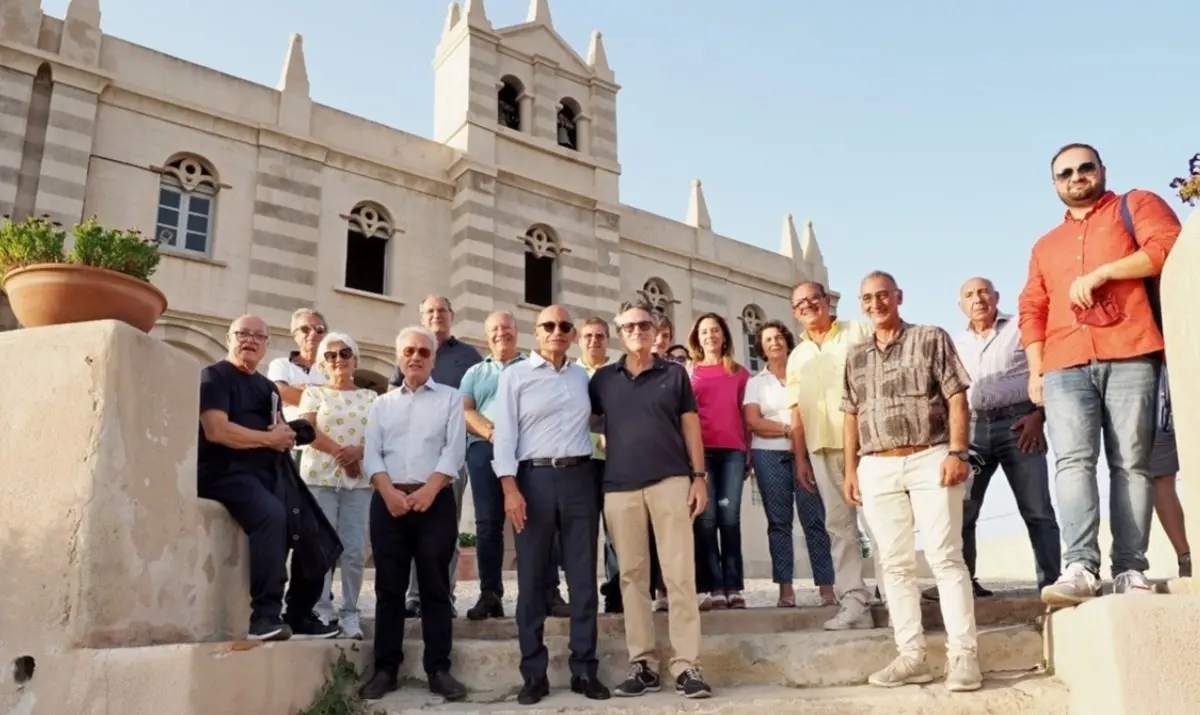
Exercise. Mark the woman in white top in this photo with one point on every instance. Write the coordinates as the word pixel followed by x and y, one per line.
pixel 769 419
pixel 332 468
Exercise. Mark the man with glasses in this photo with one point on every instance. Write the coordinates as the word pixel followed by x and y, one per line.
pixel 815 372
pixel 1092 337
pixel 241 436
pixel 299 369
pixel 416 442
pixel 543 457
pixel 453 359
pixel 656 477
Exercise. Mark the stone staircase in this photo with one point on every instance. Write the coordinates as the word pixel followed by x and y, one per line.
pixel 757 658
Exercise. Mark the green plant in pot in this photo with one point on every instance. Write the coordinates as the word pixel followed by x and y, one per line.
pixel 104 276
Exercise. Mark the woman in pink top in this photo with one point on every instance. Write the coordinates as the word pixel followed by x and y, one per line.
pixel 720 385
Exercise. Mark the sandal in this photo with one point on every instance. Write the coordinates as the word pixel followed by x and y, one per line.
pixel 786 603
pixel 736 601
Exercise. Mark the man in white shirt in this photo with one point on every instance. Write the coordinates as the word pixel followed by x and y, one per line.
pixel 299 369
pixel 416 444
pixel 543 457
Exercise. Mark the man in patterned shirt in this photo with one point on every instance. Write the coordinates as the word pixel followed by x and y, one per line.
pixel 905 441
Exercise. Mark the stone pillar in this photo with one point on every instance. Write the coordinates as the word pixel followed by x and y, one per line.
pixel 17 89
pixel 527 108
pixel 475 272
pixel 66 156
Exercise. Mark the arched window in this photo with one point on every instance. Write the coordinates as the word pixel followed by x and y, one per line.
pixel 187 204
pixel 568 128
pixel 658 296
pixel 367 238
pixel 542 248
pixel 508 103
pixel 752 319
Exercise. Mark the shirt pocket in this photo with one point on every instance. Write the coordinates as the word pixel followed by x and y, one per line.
pixel 902 382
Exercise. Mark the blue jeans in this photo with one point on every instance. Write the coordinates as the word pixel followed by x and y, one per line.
pixel 994 445
pixel 719 529
pixel 1115 399
pixel 776 474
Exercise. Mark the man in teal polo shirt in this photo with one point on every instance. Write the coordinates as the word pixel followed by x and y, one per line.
pixel 478 389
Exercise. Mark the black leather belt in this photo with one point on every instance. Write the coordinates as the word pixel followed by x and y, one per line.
pixel 556 462
pixel 995 413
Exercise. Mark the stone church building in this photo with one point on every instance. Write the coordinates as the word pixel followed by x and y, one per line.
pixel 265 201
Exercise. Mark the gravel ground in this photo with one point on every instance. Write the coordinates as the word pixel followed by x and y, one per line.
pixel 759 593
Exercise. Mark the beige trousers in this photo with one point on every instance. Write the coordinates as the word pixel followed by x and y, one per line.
pixel 628 515
pixel 841 521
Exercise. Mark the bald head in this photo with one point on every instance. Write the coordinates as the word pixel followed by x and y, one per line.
pixel 979 301
pixel 554 331
pixel 976 282
pixel 247 341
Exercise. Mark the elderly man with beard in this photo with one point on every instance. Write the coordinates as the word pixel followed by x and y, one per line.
pixel 543 456
pixel 241 437
pixel 656 478
pixel 454 358
pixel 906 436
pixel 1089 329
pixel 416 441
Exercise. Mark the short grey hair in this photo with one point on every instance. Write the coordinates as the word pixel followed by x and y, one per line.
pixel 417 330
pixel 331 338
pixel 881 274
pixel 432 296
pixel 303 313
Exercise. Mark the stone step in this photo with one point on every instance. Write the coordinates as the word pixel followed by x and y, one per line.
pixel 801 659
pixel 1001 695
pixel 989 612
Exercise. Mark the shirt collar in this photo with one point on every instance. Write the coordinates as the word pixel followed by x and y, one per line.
pixel 427 387
pixel 492 358
pixel 1001 319
pixel 585 366
pixel 658 363
pixel 873 343
pixel 294 356
pixel 536 361
pixel 834 328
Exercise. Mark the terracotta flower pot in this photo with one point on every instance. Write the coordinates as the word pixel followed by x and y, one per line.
pixel 468 567
pixel 60 293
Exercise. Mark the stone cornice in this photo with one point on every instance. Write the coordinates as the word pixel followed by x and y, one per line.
pixel 694 264
pixel 28 59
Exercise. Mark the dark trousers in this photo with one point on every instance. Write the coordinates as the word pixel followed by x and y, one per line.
pixel 251 501
pixel 718 531
pixel 428 539
pixel 994 443
pixel 559 503
pixel 489 523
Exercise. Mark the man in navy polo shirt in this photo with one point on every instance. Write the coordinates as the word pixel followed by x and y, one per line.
pixel 451 362
pixel 654 469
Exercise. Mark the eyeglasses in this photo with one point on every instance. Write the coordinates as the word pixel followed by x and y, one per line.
pixel 344 353
pixel 422 353
pixel 638 326
pixel 681 359
pixel 564 326
pixel 309 329
pixel 594 337
pixel 250 335
pixel 808 300
pixel 1087 168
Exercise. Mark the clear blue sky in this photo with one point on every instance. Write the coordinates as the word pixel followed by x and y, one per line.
pixel 916 134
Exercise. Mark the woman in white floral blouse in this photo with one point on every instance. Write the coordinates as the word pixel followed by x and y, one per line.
pixel 332 468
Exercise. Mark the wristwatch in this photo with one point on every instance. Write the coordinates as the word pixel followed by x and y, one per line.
pixel 964 455
pixel 699 475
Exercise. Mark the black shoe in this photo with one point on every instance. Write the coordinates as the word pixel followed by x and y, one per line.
pixel 447 686
pixel 589 688
pixel 558 606
pixel 533 691
pixel 613 603
pixel 689 684
pixel 641 680
pixel 931 593
pixel 378 686
pixel 311 628
pixel 412 609
pixel 980 591
pixel 269 629
pixel 489 605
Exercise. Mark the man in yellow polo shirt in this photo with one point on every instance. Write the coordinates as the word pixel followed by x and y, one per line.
pixel 816 372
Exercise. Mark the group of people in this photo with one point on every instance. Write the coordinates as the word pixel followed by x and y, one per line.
pixel 900 420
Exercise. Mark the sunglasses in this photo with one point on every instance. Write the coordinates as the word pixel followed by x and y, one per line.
pixel 1087 168
pixel 681 359
pixel 564 326
pixel 640 326
pixel 344 353
pixel 309 329
pixel 422 353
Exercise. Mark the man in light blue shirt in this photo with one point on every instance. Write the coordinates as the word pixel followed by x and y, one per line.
pixel 478 388
pixel 543 457
pixel 416 439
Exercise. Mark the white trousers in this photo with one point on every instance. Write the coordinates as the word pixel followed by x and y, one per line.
pixel 841 521
pixel 900 496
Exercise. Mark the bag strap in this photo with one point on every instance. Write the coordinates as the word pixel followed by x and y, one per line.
pixel 1127 219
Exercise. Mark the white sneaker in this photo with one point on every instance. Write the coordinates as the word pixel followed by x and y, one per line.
pixel 351 627
pixel 852 615
pixel 704 601
pixel 1133 583
pixel 904 670
pixel 660 605
pixel 1076 585
pixel 962 674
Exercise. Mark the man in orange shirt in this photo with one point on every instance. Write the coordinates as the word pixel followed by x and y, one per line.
pixel 1095 351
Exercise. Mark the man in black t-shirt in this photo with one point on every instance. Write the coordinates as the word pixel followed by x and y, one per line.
pixel 242 434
